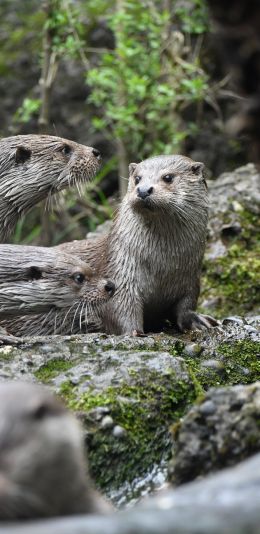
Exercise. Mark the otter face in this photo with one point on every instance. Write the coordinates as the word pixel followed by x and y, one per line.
pixel 78 163
pixel 169 184
pixel 89 286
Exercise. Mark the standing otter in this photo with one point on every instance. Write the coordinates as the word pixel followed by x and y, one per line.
pixel 35 166
pixel 40 280
pixel 43 470
pixel 154 249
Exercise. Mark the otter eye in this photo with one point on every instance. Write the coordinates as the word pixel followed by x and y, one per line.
pixel 66 150
pixel 137 179
pixel 168 178
pixel 79 278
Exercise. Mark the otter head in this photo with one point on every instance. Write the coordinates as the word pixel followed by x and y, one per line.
pixel 166 184
pixel 33 167
pixel 68 282
pixel 89 286
pixel 41 454
pixel 56 162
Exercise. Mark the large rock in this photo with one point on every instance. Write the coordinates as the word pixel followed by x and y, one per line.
pixel 219 431
pixel 226 503
pixel 129 391
pixel 230 281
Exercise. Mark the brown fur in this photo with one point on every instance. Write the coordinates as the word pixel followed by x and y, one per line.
pixel 43 280
pixel 33 167
pixel 154 249
pixel 43 471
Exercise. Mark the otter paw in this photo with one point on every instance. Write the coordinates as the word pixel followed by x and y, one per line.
pixel 138 333
pixel 196 321
pixel 10 340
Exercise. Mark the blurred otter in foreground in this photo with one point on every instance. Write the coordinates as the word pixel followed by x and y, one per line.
pixel 43 469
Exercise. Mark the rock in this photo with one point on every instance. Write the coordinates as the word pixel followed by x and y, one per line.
pixel 219 432
pixel 230 281
pixel 225 503
pixel 144 385
pixel 107 422
pixel 119 431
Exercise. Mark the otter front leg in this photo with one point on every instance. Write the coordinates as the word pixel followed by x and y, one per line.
pixel 187 319
pixel 127 318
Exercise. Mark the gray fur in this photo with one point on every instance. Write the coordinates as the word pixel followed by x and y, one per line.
pixel 153 251
pixel 33 167
pixel 43 469
pixel 41 280
pixel 155 248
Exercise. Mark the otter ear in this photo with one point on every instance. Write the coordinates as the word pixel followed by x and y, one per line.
pixel 199 170
pixel 22 154
pixel 132 168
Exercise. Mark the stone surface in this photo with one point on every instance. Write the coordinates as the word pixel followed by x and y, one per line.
pixel 226 503
pixel 129 391
pixel 219 431
pixel 230 281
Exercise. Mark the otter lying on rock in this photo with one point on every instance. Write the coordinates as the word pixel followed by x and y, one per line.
pixel 42 463
pixel 35 166
pixel 154 249
pixel 37 280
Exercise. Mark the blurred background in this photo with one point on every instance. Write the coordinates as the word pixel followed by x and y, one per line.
pixel 131 78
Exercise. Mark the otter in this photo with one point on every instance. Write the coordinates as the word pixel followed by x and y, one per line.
pixel 43 469
pixel 41 280
pixel 33 167
pixel 154 249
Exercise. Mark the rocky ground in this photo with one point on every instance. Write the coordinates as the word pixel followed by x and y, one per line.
pixel 188 401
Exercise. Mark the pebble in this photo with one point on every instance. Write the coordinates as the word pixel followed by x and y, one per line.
pixel 107 422
pixel 212 364
pixel 118 431
pixel 193 349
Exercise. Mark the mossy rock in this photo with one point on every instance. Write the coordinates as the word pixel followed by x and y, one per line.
pixel 129 391
pixel 230 278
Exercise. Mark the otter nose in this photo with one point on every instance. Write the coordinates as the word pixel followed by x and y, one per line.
pixel 110 288
pixel 96 153
pixel 144 192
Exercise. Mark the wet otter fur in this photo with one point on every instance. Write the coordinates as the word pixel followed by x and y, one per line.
pixel 33 167
pixel 155 248
pixel 43 280
pixel 43 470
pixel 153 251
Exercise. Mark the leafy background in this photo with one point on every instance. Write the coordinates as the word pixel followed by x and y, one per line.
pixel 131 78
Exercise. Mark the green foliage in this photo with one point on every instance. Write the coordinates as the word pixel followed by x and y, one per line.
pixel 193 16
pixel 29 107
pixel 141 87
pixel 64 23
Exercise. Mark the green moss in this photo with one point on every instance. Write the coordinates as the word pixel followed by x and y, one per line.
pixel 7 353
pixel 145 409
pixel 52 369
pixel 242 361
pixel 239 364
pixel 234 278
